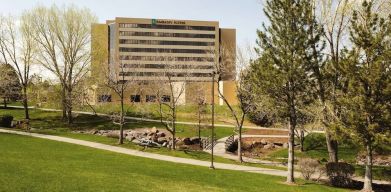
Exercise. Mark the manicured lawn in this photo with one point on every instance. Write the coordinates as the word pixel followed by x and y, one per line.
pixel 49 123
pixel 33 164
pixel 52 120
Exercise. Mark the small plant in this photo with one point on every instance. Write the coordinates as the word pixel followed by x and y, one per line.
pixel 6 120
pixel 340 174
pixel 308 167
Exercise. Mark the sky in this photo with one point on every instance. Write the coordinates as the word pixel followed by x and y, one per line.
pixel 244 15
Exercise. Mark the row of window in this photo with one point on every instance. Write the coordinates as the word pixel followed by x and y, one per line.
pixel 162 34
pixel 162 58
pixel 158 50
pixel 156 42
pixel 136 98
pixel 163 66
pixel 162 74
pixel 157 26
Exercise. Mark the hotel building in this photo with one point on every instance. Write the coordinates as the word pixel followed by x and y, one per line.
pixel 149 51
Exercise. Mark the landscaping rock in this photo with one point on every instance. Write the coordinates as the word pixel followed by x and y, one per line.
pixel 195 140
pixel 162 140
pixel 263 142
pixel 269 146
pixel 187 141
pixel 285 145
pixel 154 130
pixel 161 134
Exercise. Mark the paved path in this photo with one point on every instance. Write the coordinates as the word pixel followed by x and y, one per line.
pixel 219 150
pixel 152 155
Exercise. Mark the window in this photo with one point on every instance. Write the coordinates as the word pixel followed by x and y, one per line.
pixel 135 98
pixel 162 34
pixel 104 98
pixel 165 98
pixel 150 98
pixel 156 26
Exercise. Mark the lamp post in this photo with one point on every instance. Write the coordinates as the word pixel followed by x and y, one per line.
pixel 213 119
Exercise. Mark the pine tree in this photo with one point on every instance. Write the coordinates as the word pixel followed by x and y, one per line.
pixel 285 49
pixel 367 102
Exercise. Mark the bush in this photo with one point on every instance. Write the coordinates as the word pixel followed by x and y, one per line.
pixel 308 167
pixel 314 141
pixel 340 174
pixel 6 120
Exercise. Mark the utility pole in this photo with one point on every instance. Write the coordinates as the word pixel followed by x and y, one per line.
pixel 213 118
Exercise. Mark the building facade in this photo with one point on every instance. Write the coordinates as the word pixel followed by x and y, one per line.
pixel 153 52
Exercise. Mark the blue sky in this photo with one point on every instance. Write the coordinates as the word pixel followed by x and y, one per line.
pixel 244 15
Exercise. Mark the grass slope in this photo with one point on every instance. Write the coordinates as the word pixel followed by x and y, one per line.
pixel 33 164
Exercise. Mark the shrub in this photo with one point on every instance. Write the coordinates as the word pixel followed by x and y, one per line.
pixel 314 141
pixel 6 120
pixel 340 174
pixel 308 167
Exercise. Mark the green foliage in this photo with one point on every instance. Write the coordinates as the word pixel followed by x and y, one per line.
pixel 367 98
pixel 6 120
pixel 340 174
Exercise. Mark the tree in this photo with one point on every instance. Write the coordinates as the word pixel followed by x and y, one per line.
pixel 367 101
pixel 284 48
pixel 18 49
pixel 63 39
pixel 168 103
pixel 9 85
pixel 334 16
pixel 242 89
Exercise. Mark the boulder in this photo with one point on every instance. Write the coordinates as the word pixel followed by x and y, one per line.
pixel 164 144
pixel 162 140
pixel 269 146
pixel 195 140
pixel 154 130
pixel 136 141
pixel 285 145
pixel 263 142
pixel 161 134
pixel 187 141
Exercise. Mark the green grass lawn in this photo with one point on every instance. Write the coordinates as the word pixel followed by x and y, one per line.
pixel 33 164
pixel 46 122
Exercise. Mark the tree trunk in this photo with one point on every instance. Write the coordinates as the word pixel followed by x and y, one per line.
pixel 302 140
pixel 368 170
pixel 64 104
pixel 121 126
pixel 240 145
pixel 173 127
pixel 25 104
pixel 332 148
pixel 290 177
pixel 5 103
pixel 69 106
pixel 199 126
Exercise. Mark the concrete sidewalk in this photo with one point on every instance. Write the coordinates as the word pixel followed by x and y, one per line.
pixel 153 155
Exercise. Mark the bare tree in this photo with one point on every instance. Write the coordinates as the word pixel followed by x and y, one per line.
pixel 222 68
pixel 18 49
pixel 63 37
pixel 170 95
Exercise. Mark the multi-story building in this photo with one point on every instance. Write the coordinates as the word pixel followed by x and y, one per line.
pixel 151 51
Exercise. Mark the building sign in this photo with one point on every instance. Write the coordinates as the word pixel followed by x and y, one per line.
pixel 167 22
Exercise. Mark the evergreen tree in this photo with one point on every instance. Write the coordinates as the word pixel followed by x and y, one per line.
pixel 367 102
pixel 285 48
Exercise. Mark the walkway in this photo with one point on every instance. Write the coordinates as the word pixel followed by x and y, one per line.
pixel 153 155
pixel 219 150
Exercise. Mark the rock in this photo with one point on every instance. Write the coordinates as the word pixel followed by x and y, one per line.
pixel 161 134
pixel 162 140
pixel 269 146
pixel 178 143
pixel 195 140
pixel 93 131
pixel 263 142
pixel 136 141
pixel 187 141
pixel 164 144
pixel 130 137
pixel 154 130
pixel 285 145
